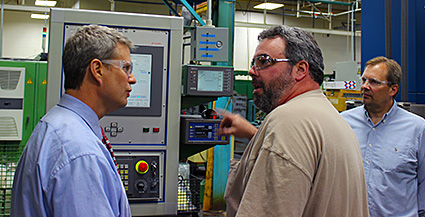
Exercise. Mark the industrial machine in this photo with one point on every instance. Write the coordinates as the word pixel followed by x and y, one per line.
pixel 345 87
pixel 144 134
pixel 22 104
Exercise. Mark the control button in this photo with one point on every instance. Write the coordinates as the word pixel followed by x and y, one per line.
pixel 107 129
pixel 142 167
pixel 156 130
pixel 145 130
pixel 120 129
pixel 113 134
pixel 114 124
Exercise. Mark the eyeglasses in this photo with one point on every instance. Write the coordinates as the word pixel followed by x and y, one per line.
pixel 126 66
pixel 263 61
pixel 373 82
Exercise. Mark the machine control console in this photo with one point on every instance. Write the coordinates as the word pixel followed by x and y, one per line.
pixel 196 130
pixel 141 176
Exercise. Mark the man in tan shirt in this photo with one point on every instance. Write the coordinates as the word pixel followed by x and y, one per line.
pixel 304 160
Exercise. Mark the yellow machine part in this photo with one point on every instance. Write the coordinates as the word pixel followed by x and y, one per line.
pixel 338 97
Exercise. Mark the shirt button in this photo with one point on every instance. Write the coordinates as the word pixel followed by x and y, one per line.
pixel 370 145
pixel 373 128
pixel 367 162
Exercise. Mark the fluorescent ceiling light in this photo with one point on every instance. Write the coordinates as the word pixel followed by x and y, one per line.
pixel 40 16
pixel 268 6
pixel 45 3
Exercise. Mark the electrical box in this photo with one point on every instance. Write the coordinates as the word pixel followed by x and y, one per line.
pixel 11 102
pixel 210 44
pixel 22 98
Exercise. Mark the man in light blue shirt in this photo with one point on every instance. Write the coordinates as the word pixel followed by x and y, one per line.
pixel 392 143
pixel 65 169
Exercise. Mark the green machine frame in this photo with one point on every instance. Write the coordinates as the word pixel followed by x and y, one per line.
pixel 33 108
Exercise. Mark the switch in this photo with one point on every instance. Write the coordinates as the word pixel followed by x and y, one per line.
pixel 142 167
pixel 156 130
pixel 145 130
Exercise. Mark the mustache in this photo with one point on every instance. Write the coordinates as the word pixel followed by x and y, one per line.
pixel 256 82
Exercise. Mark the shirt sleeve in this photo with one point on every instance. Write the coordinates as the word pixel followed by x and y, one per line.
pixel 86 186
pixel 279 187
pixel 421 175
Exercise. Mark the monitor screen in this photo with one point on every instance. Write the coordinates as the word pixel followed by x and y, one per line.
pixel 210 80
pixel 140 95
pixel 146 97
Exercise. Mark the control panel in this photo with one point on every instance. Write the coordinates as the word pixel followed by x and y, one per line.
pixel 196 130
pixel 207 80
pixel 210 44
pixel 141 175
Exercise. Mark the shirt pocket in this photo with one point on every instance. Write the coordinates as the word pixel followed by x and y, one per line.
pixel 397 156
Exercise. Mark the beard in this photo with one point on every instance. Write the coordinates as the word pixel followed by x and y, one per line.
pixel 272 92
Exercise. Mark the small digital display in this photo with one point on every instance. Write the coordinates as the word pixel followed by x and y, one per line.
pixel 210 80
pixel 203 131
pixel 140 95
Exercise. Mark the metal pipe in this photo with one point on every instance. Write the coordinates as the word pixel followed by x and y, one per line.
pixel 1 31
pixel 388 30
pixel 346 12
pixel 330 17
pixel 298 9
pixel 328 2
pixel 265 12
pixel 209 10
pixel 353 54
pixel 404 50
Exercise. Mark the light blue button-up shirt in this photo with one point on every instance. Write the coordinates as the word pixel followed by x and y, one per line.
pixel 393 153
pixel 66 170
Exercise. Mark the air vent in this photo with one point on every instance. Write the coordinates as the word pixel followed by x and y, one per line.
pixel 9 79
pixel 8 128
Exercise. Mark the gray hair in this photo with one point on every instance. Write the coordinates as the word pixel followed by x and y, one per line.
pixel 300 45
pixel 88 43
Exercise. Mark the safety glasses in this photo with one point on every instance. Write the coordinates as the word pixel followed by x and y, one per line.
pixel 126 66
pixel 263 61
pixel 373 82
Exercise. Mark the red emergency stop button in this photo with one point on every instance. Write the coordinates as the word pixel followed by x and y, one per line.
pixel 142 167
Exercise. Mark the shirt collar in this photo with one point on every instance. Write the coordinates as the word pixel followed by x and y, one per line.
pixel 386 116
pixel 83 110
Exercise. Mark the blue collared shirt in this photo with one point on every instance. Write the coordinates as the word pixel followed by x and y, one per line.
pixel 66 170
pixel 393 153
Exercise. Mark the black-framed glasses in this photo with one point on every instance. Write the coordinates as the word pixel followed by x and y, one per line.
pixel 126 66
pixel 263 61
pixel 374 82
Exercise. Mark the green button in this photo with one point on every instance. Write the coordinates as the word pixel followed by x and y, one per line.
pixel 146 130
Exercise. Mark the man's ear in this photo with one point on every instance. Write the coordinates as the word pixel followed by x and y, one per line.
pixel 95 70
pixel 301 70
pixel 393 90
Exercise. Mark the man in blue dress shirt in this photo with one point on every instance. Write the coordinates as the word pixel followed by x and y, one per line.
pixel 392 143
pixel 65 169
